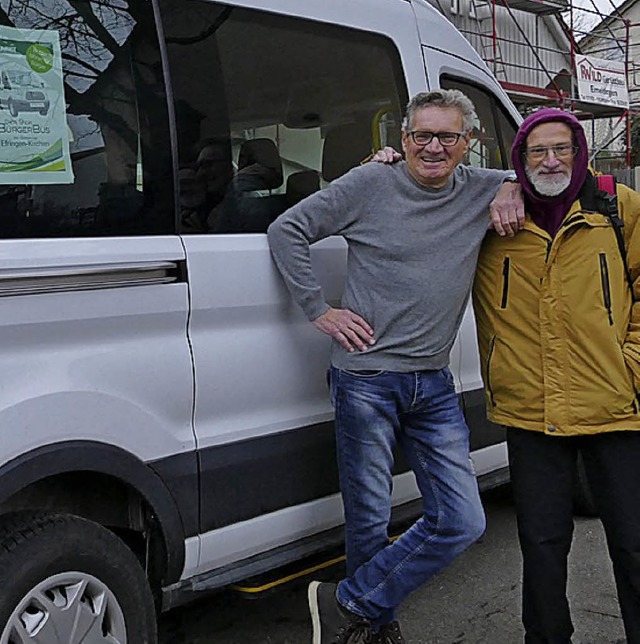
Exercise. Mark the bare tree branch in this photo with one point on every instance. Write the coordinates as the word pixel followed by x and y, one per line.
pixel 90 18
pixel 215 25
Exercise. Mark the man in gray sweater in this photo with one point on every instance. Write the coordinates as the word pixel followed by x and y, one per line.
pixel 413 232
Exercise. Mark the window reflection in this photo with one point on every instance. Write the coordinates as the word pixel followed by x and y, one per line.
pixel 117 123
pixel 268 91
pixel 494 131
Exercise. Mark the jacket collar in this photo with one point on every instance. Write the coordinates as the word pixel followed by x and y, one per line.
pixel 575 216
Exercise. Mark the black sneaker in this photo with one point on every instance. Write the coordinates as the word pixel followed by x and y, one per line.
pixel 333 624
pixel 388 634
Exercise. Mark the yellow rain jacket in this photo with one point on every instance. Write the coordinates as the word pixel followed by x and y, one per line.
pixel 559 335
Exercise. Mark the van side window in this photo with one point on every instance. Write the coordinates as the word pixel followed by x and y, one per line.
pixel 117 124
pixel 271 108
pixel 494 132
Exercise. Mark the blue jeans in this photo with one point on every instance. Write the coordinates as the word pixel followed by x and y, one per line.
pixel 420 410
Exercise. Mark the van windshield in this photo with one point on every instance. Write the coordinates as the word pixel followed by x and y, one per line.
pixel 23 79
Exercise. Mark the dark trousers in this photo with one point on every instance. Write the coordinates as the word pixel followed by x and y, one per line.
pixel 542 474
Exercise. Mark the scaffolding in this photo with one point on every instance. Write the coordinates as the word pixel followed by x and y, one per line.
pixel 535 73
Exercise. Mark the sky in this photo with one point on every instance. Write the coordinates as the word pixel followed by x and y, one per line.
pixel 605 7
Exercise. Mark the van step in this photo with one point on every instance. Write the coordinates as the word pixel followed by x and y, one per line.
pixel 256 586
pixel 261 584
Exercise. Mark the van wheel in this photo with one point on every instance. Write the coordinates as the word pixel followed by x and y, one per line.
pixel 66 579
pixel 583 502
pixel 43 112
pixel 13 110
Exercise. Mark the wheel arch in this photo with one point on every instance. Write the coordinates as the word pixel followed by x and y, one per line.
pixel 89 458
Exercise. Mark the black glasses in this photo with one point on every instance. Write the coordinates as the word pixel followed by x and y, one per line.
pixel 446 139
pixel 561 151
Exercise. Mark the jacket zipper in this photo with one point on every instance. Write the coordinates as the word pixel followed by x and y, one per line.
pixel 488 367
pixel 606 291
pixel 566 224
pixel 505 282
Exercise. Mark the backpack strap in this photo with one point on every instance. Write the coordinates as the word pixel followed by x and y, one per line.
pixel 606 183
pixel 599 194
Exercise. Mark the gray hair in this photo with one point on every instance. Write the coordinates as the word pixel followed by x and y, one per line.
pixel 442 98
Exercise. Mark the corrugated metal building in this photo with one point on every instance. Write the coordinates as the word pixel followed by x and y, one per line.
pixel 527 49
pixel 531 50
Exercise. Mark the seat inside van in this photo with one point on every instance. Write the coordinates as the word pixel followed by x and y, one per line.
pixel 302 184
pixel 249 205
pixel 345 147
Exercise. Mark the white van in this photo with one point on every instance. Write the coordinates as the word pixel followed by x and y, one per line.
pixel 166 425
pixel 22 91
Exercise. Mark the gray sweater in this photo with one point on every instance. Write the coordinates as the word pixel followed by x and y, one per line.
pixel 412 254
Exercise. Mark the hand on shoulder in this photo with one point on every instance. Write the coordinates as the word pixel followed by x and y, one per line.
pixel 387 155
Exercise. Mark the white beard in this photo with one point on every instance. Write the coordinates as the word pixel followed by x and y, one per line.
pixel 548 185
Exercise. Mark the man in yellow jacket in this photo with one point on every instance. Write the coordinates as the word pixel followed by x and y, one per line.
pixel 559 337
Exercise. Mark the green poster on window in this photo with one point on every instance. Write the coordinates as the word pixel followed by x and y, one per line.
pixel 34 138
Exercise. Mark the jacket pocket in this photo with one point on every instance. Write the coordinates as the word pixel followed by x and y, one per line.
pixel 506 269
pixel 492 345
pixel 606 287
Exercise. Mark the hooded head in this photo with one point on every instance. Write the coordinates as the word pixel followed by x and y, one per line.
pixel 551 180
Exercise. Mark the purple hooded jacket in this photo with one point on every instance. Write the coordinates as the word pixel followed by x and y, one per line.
pixel 548 212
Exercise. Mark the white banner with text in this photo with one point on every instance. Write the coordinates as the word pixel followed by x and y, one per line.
pixel 34 137
pixel 602 81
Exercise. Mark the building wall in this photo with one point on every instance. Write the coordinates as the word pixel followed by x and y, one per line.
pixel 516 60
pixel 532 49
pixel 609 41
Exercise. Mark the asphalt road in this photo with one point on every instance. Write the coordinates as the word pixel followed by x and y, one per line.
pixel 474 601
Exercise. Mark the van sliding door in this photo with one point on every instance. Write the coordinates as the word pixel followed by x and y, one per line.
pixel 269 109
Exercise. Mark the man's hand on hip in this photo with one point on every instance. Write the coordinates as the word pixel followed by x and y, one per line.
pixel 347 328
pixel 507 210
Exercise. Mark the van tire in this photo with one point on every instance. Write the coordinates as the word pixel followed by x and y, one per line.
pixel 51 562
pixel 12 108
pixel 583 501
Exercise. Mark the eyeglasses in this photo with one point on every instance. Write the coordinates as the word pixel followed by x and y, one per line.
pixel 446 139
pixel 559 151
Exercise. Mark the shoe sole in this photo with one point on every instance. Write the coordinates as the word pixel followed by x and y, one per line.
pixel 312 595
